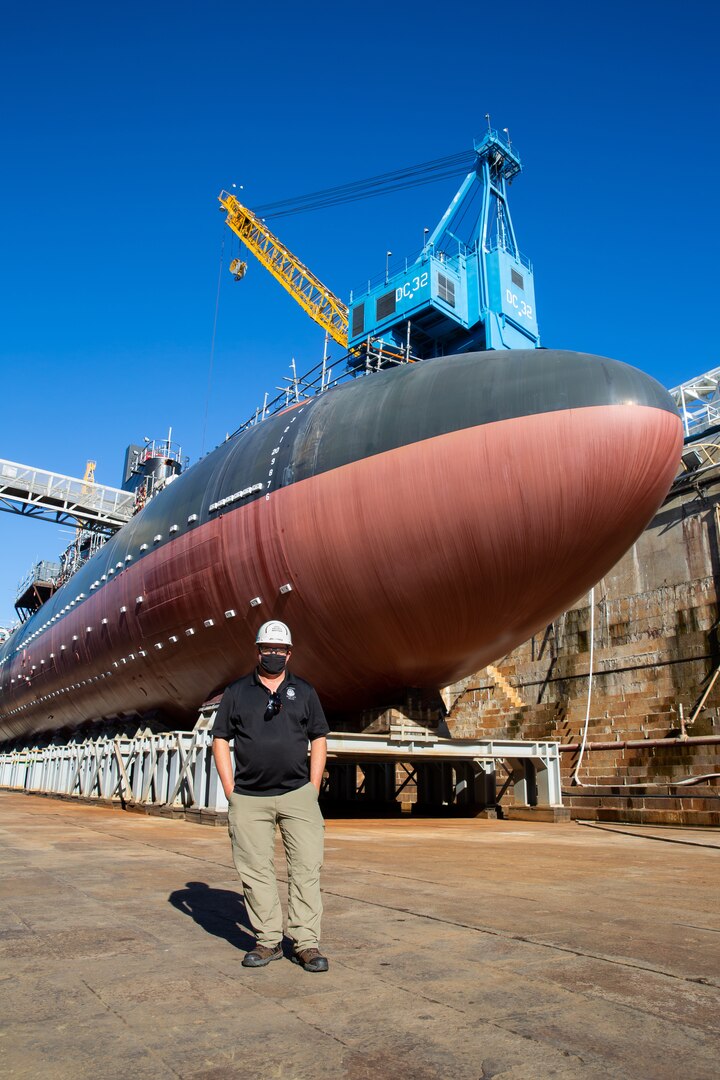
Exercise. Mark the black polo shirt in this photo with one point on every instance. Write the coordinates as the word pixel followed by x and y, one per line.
pixel 271 751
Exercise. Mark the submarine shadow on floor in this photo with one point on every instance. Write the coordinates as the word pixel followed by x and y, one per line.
pixel 220 912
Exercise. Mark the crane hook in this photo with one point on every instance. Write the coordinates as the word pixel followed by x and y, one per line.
pixel 238 269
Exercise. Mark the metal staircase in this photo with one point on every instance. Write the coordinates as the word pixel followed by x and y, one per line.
pixel 504 687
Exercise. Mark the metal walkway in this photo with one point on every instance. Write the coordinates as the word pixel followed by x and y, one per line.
pixel 698 401
pixel 63 499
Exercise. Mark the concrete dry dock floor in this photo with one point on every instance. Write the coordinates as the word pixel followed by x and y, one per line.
pixel 459 949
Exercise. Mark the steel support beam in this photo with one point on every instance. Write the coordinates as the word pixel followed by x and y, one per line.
pixel 175 768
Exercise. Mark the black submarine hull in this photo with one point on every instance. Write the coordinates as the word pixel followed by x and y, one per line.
pixel 411 527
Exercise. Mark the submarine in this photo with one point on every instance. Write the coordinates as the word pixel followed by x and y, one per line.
pixel 411 526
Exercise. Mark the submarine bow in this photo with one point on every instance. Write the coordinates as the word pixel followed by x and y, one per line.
pixel 411 527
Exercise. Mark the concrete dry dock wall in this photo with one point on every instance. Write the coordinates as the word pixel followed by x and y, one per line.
pixel 656 648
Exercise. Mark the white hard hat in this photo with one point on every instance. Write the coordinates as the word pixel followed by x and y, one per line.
pixel 274 633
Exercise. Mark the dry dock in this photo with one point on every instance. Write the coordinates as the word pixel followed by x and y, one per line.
pixel 459 949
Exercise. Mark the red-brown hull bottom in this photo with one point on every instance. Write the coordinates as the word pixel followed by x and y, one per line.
pixel 413 567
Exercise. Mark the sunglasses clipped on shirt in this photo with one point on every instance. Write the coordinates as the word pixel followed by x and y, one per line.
pixel 274 705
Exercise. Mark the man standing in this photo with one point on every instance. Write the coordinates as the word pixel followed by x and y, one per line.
pixel 271 714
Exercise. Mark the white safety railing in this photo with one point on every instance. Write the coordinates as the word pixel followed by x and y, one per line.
pixel 147 769
pixel 68 496
pixel 175 769
pixel 698 402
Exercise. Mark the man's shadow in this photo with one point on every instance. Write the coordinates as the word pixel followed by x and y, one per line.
pixel 219 911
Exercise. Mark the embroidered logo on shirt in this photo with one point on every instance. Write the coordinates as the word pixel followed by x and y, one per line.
pixel 290 693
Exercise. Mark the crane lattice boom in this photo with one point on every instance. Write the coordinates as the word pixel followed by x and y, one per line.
pixel 314 297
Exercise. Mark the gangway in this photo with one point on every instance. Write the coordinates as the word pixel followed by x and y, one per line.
pixel 63 500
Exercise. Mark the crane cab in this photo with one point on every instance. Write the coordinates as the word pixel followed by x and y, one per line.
pixel 469 287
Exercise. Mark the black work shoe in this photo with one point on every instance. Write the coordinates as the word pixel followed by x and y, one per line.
pixel 262 955
pixel 310 959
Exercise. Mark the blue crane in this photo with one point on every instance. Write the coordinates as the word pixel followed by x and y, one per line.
pixel 469 288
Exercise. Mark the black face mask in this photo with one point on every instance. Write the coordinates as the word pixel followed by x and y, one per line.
pixel 273 664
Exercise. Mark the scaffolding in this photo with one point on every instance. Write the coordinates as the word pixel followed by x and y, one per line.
pixel 36 588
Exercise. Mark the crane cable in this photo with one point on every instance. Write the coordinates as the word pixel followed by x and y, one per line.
pixel 212 345
pixel 427 172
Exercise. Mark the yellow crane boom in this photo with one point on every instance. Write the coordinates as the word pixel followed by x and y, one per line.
pixel 310 293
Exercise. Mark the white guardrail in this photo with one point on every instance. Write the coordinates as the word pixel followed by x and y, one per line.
pixel 175 769
pixel 54 492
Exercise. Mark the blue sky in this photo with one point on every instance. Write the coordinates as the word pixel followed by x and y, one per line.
pixel 123 123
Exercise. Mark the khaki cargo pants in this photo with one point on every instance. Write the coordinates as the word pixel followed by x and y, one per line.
pixel 252 820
